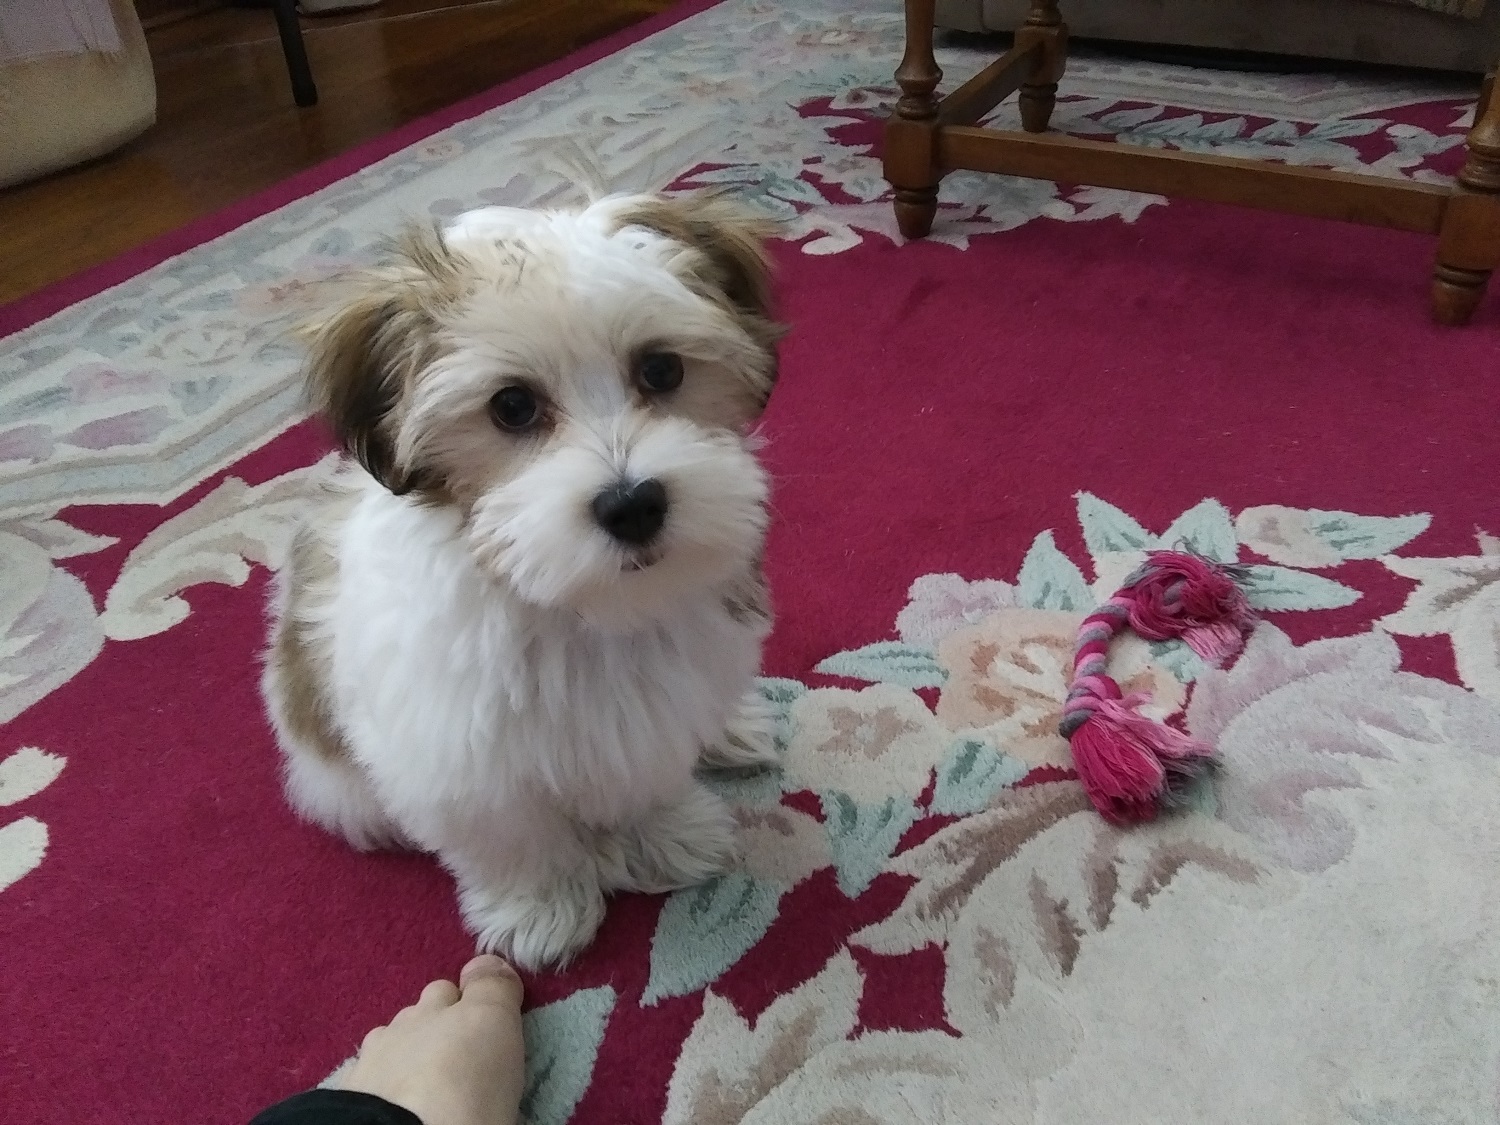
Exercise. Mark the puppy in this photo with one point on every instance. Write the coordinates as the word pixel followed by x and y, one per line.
pixel 531 603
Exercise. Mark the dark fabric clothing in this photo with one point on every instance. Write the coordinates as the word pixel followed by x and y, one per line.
pixel 336 1107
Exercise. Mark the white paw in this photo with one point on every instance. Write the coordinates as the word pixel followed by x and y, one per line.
pixel 678 845
pixel 542 928
pixel 750 740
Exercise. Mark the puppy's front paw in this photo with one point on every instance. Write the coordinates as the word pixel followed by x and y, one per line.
pixel 750 740
pixel 541 928
pixel 678 845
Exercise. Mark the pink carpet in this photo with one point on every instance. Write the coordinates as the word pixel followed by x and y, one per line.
pixel 972 440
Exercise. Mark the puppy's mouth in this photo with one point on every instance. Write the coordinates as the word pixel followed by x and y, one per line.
pixel 639 560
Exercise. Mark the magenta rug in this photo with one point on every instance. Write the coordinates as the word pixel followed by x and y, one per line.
pixel 973 440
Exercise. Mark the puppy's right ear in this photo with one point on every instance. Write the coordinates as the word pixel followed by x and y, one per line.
pixel 365 357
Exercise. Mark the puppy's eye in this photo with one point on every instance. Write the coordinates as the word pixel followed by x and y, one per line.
pixel 659 372
pixel 515 408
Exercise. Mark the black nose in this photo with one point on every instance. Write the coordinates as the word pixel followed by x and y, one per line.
pixel 632 513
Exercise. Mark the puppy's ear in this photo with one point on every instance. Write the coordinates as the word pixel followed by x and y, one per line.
pixel 727 264
pixel 365 356
pixel 730 237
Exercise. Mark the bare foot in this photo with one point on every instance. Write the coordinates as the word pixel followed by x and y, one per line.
pixel 455 1057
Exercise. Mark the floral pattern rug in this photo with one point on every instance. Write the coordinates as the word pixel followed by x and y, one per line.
pixel 975 438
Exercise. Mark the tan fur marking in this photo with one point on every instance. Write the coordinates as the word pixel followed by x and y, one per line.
pixel 731 237
pixel 302 666
pixel 365 356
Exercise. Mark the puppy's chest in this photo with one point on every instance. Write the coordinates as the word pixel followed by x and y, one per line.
pixel 610 725
pixel 665 686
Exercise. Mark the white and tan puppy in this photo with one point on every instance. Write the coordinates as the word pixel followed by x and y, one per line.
pixel 510 632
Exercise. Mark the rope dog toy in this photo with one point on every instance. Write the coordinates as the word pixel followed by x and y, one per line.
pixel 1132 766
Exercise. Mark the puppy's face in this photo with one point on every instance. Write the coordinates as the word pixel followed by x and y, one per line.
pixel 578 386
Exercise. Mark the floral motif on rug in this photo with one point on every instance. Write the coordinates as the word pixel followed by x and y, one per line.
pixel 1030 943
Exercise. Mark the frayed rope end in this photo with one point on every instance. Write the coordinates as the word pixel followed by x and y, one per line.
pixel 1177 594
pixel 1130 765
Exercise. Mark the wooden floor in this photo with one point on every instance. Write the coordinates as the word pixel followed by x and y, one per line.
pixel 226 126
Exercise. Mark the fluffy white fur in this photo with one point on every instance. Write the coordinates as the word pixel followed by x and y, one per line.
pixel 494 679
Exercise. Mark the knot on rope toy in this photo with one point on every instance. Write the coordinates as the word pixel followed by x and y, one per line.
pixel 1130 765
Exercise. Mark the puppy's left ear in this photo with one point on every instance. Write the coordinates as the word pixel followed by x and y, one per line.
pixel 731 241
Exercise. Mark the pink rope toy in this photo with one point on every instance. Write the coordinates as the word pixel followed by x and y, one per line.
pixel 1130 765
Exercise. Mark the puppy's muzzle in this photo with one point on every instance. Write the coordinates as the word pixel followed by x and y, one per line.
pixel 632 513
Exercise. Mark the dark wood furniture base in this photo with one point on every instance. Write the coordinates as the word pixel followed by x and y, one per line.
pixel 927 137
pixel 289 28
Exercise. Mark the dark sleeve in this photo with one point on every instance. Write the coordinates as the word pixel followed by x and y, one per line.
pixel 336 1107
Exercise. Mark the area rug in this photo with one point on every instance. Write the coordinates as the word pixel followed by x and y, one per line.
pixel 974 438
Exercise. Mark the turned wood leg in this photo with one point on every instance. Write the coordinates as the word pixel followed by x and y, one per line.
pixel 1469 243
pixel 911 133
pixel 1044 26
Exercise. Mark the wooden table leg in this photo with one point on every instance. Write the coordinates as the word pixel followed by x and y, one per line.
pixel 911 134
pixel 289 27
pixel 1469 243
pixel 1044 26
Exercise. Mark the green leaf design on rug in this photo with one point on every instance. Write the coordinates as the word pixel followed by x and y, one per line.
pixel 1050 580
pixel 1312 539
pixel 887 662
pixel 1365 537
pixel 1130 118
pixel 1205 528
pixel 1281 588
pixel 1277 132
pixel 862 837
pixel 334 242
pixel 1176 657
pixel 971 775
pixel 756 790
pixel 782 695
pixel 1107 530
pixel 1200 798
pixel 562 1042
pixel 761 788
pixel 702 931
pixel 1339 130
